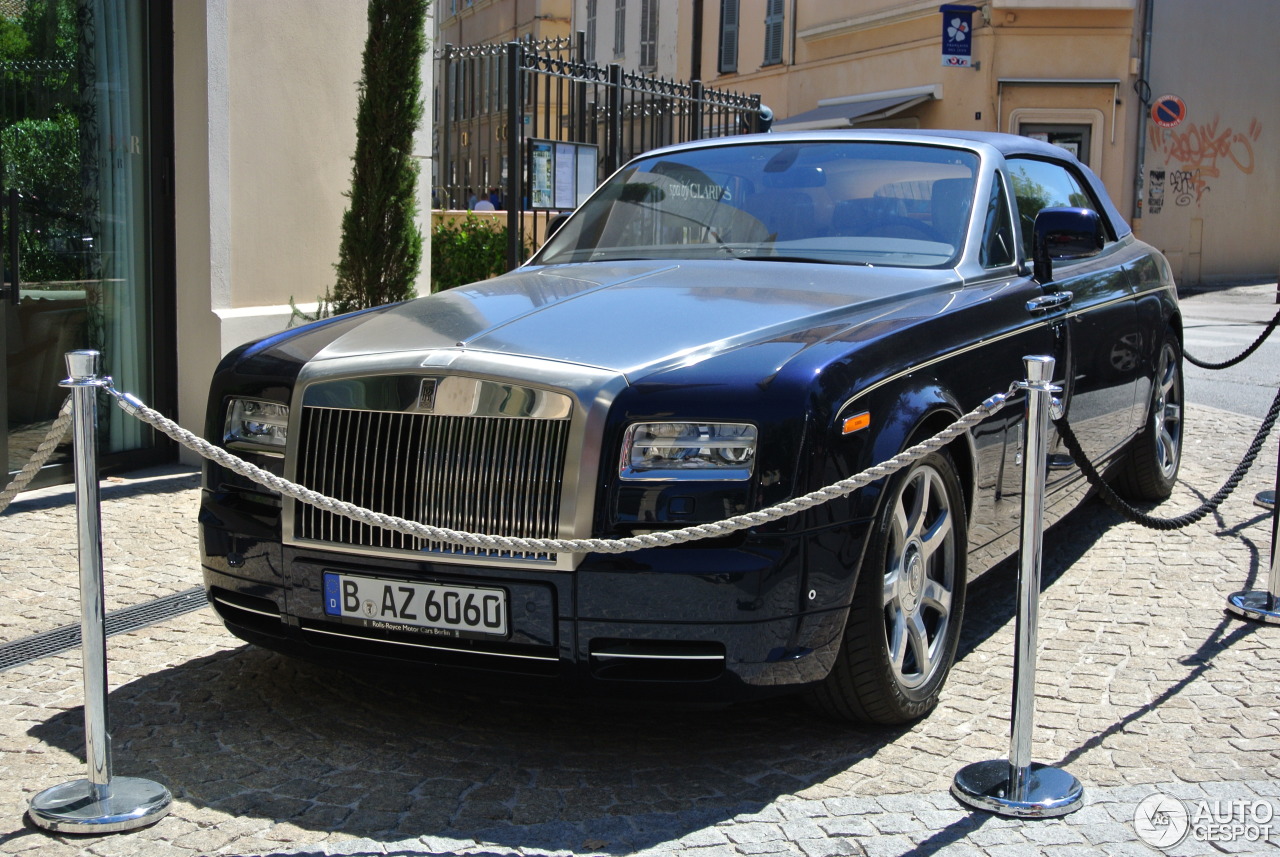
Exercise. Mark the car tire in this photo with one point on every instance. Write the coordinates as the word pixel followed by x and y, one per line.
pixel 1150 469
pixel 900 638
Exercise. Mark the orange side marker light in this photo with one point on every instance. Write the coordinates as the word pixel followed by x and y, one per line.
pixel 857 422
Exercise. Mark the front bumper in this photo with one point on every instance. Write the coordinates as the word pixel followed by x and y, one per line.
pixel 716 621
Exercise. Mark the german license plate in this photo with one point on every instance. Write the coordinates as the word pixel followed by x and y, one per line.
pixel 404 605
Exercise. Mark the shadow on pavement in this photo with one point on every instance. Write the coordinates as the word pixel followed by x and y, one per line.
pixel 63 496
pixel 255 734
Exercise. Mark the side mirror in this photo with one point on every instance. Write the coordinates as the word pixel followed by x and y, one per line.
pixel 1064 233
pixel 554 224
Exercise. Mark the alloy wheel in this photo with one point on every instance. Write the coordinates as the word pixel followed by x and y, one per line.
pixel 1167 413
pixel 919 578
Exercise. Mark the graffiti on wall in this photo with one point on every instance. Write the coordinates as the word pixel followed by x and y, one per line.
pixel 1155 192
pixel 1195 155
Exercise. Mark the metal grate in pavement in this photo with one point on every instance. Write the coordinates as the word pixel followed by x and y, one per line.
pixel 126 619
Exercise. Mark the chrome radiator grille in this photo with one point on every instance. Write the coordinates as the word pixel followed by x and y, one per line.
pixel 494 475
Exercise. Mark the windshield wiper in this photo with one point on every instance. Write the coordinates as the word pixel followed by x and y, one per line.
pixel 809 259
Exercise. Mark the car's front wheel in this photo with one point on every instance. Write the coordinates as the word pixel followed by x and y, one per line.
pixel 900 638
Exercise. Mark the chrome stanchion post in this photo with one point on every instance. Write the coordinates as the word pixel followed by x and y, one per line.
pixel 1017 786
pixel 100 803
pixel 1263 606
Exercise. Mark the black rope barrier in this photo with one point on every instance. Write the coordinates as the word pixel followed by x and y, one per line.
pixel 1116 502
pixel 1227 364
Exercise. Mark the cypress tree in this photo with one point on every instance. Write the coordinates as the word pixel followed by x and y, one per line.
pixel 381 247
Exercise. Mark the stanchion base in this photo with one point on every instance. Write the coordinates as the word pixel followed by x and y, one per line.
pixel 1259 606
pixel 1050 791
pixel 1265 500
pixel 75 807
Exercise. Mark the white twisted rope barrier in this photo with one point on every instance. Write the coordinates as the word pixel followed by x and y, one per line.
pixel 43 451
pixel 667 538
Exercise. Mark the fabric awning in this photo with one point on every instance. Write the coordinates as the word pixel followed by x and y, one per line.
pixel 846 114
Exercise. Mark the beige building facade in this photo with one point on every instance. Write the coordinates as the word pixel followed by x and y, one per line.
pixel 1210 181
pixel 1081 73
pixel 265 101
pixel 1097 77
pixel 480 22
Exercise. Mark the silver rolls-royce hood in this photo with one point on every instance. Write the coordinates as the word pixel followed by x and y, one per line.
pixel 629 317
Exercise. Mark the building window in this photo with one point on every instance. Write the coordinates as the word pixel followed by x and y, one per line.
pixel 648 35
pixel 619 27
pixel 590 48
pixel 728 61
pixel 773 33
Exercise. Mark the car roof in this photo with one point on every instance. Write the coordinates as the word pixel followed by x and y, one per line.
pixel 1006 144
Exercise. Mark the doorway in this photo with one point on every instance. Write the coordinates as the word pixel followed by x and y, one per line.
pixel 84 147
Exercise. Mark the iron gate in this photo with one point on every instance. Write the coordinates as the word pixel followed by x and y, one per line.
pixel 482 131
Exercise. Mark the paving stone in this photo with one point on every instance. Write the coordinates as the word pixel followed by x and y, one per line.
pixel 754 832
pixel 829 847
pixel 886 846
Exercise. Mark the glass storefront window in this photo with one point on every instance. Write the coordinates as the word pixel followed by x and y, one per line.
pixel 75 150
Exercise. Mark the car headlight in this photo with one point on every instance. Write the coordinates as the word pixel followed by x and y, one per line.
pixel 257 426
pixel 725 451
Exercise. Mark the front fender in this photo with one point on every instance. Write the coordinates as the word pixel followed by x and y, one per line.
pixel 838 531
pixel 899 418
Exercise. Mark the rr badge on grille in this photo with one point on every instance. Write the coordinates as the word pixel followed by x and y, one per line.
pixel 427 395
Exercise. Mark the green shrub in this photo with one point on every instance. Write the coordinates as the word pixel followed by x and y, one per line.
pixel 381 248
pixel 465 251
pixel 43 161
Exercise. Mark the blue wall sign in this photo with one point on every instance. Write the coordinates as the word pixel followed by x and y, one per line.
pixel 957 35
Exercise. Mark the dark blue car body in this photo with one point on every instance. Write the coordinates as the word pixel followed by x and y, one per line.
pixel 789 334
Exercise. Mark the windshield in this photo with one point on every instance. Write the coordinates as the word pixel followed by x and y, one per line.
pixel 855 203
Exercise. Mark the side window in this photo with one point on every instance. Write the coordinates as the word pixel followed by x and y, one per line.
pixel 997 233
pixel 1041 184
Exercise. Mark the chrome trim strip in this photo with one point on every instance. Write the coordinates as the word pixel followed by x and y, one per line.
pixel 235 606
pixel 916 367
pixel 434 648
pixel 1105 304
pixel 439 394
pixel 437 558
pixel 620 655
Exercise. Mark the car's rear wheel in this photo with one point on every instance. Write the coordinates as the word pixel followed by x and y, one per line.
pixel 1151 467
pixel 900 638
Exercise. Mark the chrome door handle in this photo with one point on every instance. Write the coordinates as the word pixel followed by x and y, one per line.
pixel 1049 302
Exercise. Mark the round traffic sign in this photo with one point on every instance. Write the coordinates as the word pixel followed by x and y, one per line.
pixel 1168 111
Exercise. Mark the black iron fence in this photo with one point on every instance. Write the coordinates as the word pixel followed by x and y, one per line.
pixel 531 128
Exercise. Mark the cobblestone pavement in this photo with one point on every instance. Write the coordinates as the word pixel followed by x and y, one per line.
pixel 1146 687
